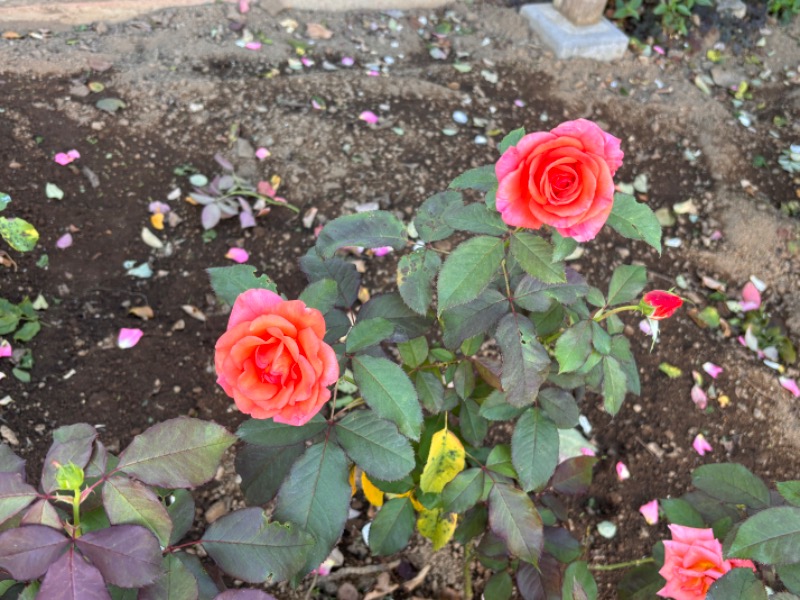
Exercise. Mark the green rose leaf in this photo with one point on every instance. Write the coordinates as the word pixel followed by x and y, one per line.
pixel 373 229
pixel 574 347
pixel 368 333
pixel 321 294
pixel 475 218
pixel 129 502
pixel 614 385
pixel 429 221
pixel 574 475
pixel 247 546
pixel 316 496
pixel 732 483
pixel 229 282
pixel 263 469
pixel 679 512
pixel 535 256
pixel 342 272
pixel 375 445
pixel 512 138
pixel 482 179
pixel 175 583
pixel 578 583
pixel 178 453
pixel 790 491
pixel 560 406
pixel 476 317
pixel 534 449
pixel 389 392
pixel 626 284
pixel 464 491
pixel 469 270
pixel 514 518
pixel 525 361
pixel 416 273
pixel 268 433
pixel 635 221
pixel 392 527
pixel 737 583
pixel 771 536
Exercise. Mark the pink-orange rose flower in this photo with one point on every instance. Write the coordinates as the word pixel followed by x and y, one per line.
pixel 561 178
pixel 272 360
pixel 693 562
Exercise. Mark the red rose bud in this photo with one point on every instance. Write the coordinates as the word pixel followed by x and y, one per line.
pixel 662 304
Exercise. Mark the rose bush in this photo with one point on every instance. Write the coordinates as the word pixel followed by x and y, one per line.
pixel 561 178
pixel 272 359
pixel 693 562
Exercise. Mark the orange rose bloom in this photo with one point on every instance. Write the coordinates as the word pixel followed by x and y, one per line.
pixel 693 562
pixel 561 178
pixel 272 360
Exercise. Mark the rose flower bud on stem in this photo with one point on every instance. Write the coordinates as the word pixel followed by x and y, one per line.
pixel 659 304
pixel 272 360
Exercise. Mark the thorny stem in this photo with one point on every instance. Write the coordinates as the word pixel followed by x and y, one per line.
pixel 333 404
pixel 353 404
pixel 269 200
pixel 468 571
pixel 170 549
pixel 508 285
pixel 622 565
pixel 76 513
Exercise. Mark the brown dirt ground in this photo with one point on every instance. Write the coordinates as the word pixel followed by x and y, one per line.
pixel 186 84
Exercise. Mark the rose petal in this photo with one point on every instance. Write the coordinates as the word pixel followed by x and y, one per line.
pixel 239 255
pixel 5 349
pixel 622 471
pixel 158 207
pixel 348 61
pixel 701 445
pixel 712 369
pixel 650 512
pixel 65 241
pixel 128 338
pixel 382 251
pixel 262 153
pixel 644 327
pixel 244 6
pixel 791 385
pixel 699 397
pixel 587 451
pixel 751 297
pixel 62 159
pixel 369 117
pixel 73 154
pixel 253 45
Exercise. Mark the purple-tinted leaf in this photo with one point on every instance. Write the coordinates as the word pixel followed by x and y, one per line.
pixel 178 453
pixel 127 555
pixel 544 584
pixel 574 475
pixel 42 512
pixel 246 545
pixel 229 207
pixel 513 517
pixel 129 502
pixel 72 578
pixel 176 583
pixel 225 182
pixel 26 552
pixel 246 219
pixel 244 595
pixel 202 198
pixel 72 443
pixel 181 511
pixel 244 204
pixel 15 495
pixel 223 162
pixel 98 461
pixel 210 216
pixel 10 462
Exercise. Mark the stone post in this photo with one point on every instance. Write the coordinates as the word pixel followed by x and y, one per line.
pixel 581 12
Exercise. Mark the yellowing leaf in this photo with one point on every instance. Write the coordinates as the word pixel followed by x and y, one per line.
pixel 373 495
pixel 445 461
pixel 19 234
pixel 410 495
pixel 437 526
pixel 352 479
pixel 275 182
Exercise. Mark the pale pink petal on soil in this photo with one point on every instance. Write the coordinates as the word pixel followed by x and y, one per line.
pixel 701 445
pixel 128 338
pixel 650 512
pixel 712 369
pixel 239 255
pixel 699 397
pixel 791 385
pixel 65 241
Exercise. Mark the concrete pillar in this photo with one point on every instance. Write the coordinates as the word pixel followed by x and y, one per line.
pixel 581 12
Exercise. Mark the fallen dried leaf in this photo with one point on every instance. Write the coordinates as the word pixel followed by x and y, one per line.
pixel 194 312
pixel 143 312
pixel 317 31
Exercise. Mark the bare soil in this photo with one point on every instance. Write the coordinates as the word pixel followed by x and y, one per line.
pixel 190 92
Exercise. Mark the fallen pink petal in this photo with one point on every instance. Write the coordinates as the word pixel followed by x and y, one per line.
pixel 712 369
pixel 791 385
pixel 644 327
pixel 368 117
pixel 751 297
pixel 701 445
pixel 382 251
pixel 5 349
pixel 265 189
pixel 588 451
pixel 253 45
pixel 650 512
pixel 73 154
pixel 128 338
pixel 64 242
pixel 699 397
pixel 239 255
pixel 244 6
pixel 62 159
pixel 348 61
pixel 262 153
pixel 622 471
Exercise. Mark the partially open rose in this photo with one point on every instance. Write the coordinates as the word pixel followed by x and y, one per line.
pixel 272 360
pixel 561 178
pixel 661 304
pixel 693 562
